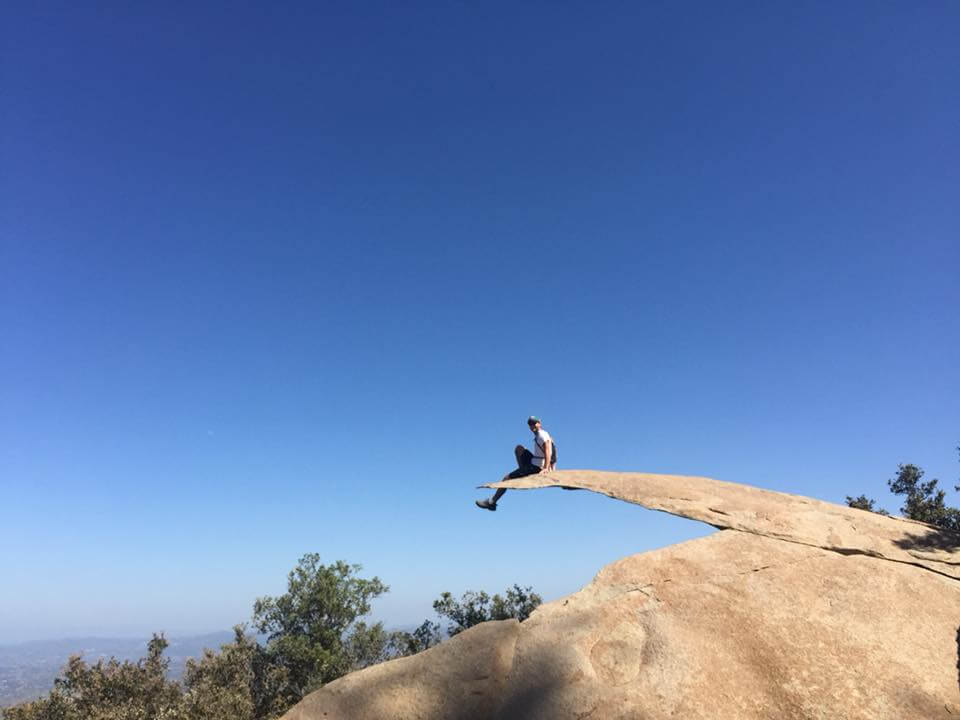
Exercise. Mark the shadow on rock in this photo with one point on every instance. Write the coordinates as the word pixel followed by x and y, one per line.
pixel 934 539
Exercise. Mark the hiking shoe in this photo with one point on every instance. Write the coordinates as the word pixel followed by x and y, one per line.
pixel 486 504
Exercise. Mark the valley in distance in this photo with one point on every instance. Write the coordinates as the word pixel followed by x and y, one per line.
pixel 27 669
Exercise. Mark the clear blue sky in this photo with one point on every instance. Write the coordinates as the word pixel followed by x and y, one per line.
pixel 286 279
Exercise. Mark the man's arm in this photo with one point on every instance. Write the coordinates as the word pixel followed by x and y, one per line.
pixel 547 454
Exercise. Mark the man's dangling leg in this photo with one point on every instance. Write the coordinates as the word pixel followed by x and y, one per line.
pixel 520 453
pixel 525 467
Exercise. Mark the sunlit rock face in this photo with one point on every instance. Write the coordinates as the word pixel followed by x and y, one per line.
pixel 797 609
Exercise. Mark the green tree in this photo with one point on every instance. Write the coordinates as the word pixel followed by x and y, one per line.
pixel 240 682
pixel 314 635
pixel 310 629
pixel 865 503
pixel 477 607
pixel 368 645
pixel 423 638
pixel 221 685
pixel 109 690
pixel 924 500
pixel 400 643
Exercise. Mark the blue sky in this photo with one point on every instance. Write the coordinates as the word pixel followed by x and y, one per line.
pixel 276 280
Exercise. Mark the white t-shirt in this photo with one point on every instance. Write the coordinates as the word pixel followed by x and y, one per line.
pixel 539 443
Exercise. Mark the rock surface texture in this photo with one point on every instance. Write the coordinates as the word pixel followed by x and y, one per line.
pixel 798 609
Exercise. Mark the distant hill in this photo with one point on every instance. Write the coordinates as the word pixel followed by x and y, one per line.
pixel 27 670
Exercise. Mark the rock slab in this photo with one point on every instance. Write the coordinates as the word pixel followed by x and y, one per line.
pixel 797 609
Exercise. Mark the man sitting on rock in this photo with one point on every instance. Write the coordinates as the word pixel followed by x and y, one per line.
pixel 542 459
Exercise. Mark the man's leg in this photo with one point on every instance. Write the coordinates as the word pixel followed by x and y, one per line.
pixel 525 467
pixel 524 464
pixel 524 457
